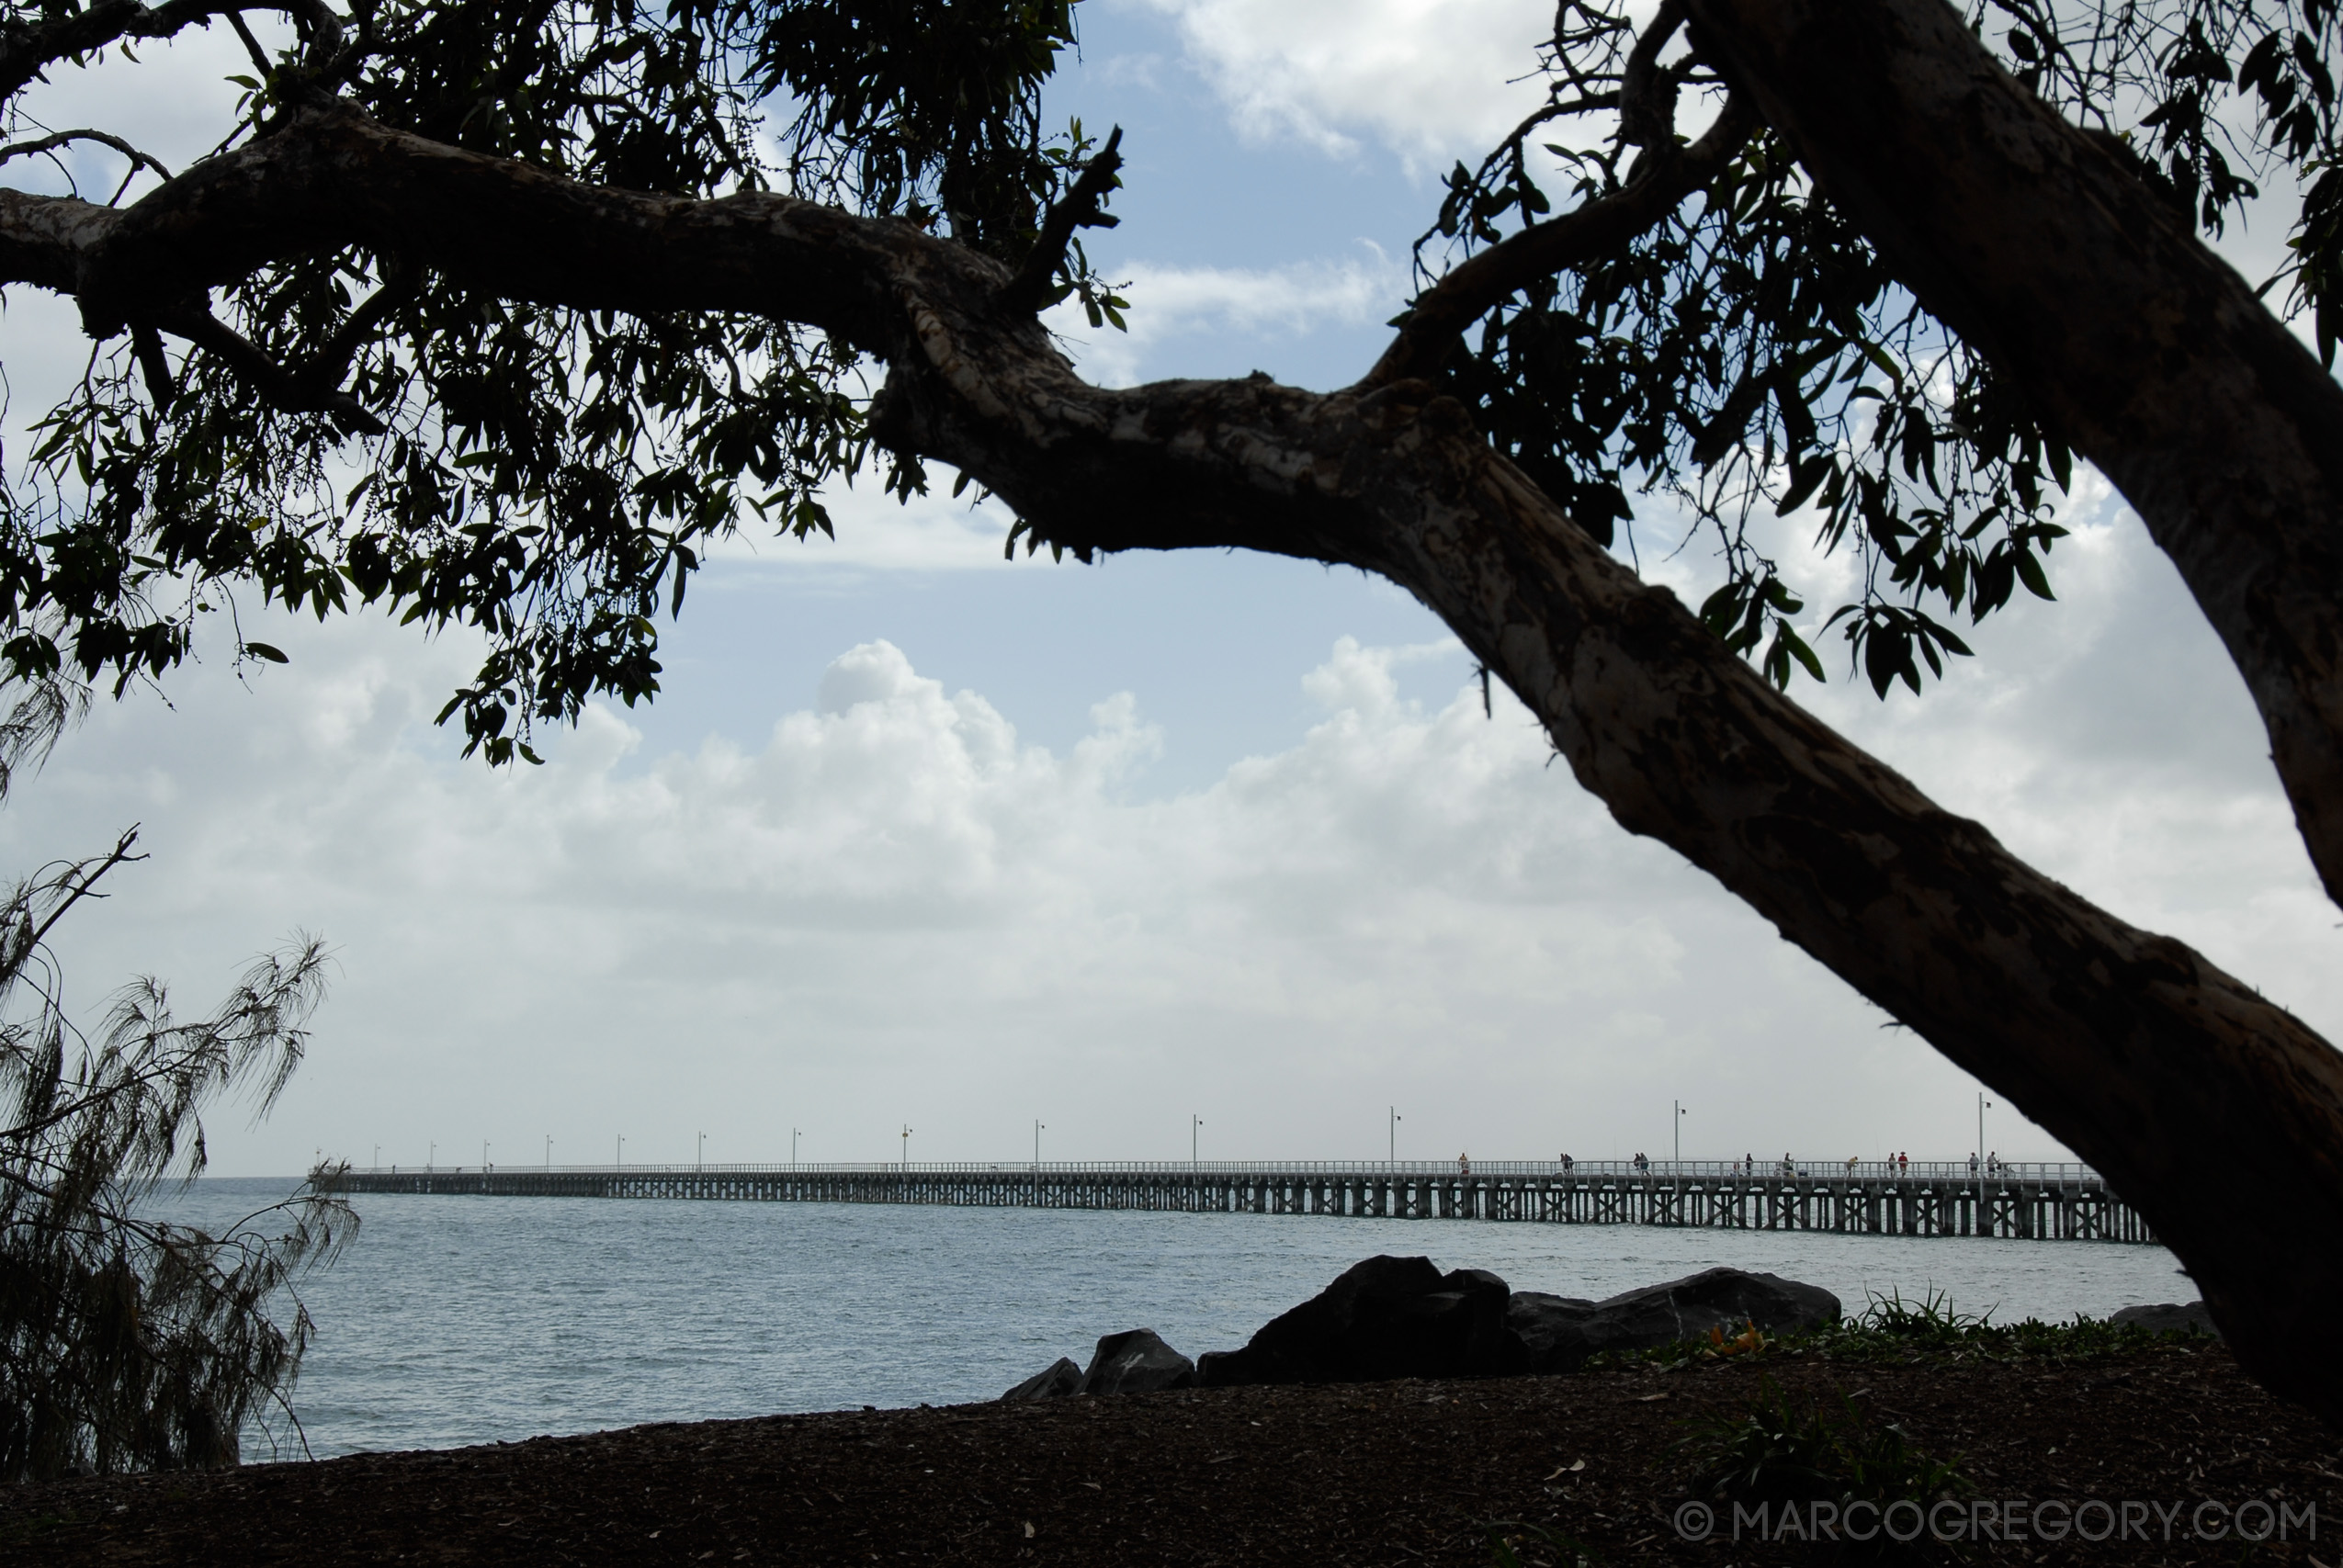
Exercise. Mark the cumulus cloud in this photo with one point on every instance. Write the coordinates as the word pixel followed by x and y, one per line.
pixel 1431 80
pixel 894 910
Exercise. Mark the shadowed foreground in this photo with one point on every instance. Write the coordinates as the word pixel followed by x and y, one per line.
pixel 1386 1474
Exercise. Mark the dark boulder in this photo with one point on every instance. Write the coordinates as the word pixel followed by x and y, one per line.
pixel 1558 1332
pixel 1062 1379
pixel 2170 1317
pixel 1388 1317
pixel 1136 1361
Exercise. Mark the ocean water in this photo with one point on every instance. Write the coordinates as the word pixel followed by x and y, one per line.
pixel 456 1320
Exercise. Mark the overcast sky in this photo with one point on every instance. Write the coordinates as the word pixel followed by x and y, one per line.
pixel 917 837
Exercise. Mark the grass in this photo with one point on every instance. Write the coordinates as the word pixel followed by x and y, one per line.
pixel 1775 1454
pixel 1893 1331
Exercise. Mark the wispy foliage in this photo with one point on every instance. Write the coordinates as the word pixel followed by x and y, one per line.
pixel 127 1342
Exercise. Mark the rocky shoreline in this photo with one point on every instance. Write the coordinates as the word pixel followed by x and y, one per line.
pixel 1401 1317
pixel 1382 1475
pixel 1392 1471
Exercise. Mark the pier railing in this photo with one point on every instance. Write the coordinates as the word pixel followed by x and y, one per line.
pixel 1943 1198
pixel 1865 1170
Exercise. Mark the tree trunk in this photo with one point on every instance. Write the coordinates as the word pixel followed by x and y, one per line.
pixel 2218 1114
pixel 2138 345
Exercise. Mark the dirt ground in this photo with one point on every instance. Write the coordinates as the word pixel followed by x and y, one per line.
pixel 1388 1474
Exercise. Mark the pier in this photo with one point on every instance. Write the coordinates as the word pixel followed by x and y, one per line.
pixel 2028 1202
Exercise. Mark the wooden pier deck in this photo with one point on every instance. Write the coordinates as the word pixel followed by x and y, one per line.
pixel 2065 1202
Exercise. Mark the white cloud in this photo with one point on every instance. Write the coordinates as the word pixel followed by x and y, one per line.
pixel 892 908
pixel 1432 80
pixel 877 532
pixel 1169 304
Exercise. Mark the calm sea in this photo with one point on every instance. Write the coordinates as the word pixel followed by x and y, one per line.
pixel 459 1320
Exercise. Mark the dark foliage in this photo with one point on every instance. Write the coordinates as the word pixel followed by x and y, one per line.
pixel 553 477
pixel 1749 355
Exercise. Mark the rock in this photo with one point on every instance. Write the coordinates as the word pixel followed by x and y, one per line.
pixel 1558 1332
pixel 2170 1317
pixel 1388 1317
pixel 1136 1361
pixel 1062 1379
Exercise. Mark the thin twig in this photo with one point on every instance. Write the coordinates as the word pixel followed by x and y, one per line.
pixel 59 139
pixel 1078 208
pixel 1595 228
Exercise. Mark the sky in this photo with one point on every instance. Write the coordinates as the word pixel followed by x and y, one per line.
pixel 920 837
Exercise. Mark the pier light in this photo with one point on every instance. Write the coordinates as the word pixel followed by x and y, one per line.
pixel 1194 1124
pixel 1983 1106
pixel 1391 1156
pixel 907 1148
pixel 548 1154
pixel 794 1136
pixel 1038 1125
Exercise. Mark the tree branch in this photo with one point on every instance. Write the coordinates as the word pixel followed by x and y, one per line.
pixel 28 48
pixel 1657 187
pixel 328 176
pixel 1648 94
pixel 281 388
pixel 1078 208
pixel 59 139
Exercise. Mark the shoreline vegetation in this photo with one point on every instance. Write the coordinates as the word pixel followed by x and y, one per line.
pixel 2029 1439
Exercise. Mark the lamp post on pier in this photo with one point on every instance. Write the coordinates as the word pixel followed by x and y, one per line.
pixel 548 1154
pixel 1677 1123
pixel 483 1157
pixel 1982 1103
pixel 1391 1155
pixel 1037 1125
pixel 1194 1123
pixel 794 1136
pixel 699 1161
pixel 431 1160
pixel 620 1158
pixel 906 1148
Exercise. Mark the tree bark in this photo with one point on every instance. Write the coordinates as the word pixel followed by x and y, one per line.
pixel 2137 344
pixel 2218 1114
